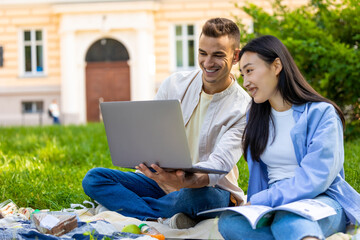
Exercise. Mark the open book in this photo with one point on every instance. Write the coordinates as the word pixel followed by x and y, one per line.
pixel 259 216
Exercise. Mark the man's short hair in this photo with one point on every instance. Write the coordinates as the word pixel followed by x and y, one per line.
pixel 218 27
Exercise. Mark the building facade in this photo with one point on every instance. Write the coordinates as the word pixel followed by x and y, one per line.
pixel 83 52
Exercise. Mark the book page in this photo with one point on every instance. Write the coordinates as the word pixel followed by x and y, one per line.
pixel 252 213
pixel 309 208
pixel 259 216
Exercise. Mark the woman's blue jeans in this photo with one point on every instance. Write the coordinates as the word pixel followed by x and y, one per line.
pixel 285 225
pixel 135 195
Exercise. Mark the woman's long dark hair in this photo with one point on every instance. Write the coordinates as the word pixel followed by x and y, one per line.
pixel 292 86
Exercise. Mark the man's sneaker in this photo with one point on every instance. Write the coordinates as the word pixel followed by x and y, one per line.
pixel 100 208
pixel 181 221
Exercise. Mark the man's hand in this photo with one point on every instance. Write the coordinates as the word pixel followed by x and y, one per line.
pixel 174 180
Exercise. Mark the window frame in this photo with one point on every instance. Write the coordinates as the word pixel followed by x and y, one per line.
pixel 34 107
pixel 185 37
pixel 33 43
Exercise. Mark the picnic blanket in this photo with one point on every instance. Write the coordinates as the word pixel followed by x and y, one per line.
pixel 109 224
pixel 206 229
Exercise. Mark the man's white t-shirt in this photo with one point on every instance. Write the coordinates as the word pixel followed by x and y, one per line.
pixel 193 128
pixel 194 125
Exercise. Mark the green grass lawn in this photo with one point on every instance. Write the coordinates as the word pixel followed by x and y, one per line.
pixel 42 167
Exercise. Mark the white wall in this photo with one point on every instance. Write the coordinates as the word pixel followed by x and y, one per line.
pixel 79 31
pixel 11 104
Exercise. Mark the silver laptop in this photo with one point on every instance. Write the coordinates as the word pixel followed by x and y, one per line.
pixel 148 132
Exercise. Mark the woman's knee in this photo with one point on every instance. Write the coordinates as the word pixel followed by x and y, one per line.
pixel 232 225
pixel 287 225
pixel 226 223
pixel 334 223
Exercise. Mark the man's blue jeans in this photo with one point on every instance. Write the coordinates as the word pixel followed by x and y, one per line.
pixel 285 225
pixel 135 195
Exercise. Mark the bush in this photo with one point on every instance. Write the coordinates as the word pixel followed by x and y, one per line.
pixel 323 37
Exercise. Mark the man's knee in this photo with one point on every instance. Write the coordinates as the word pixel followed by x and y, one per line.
pixel 90 180
pixel 206 197
pixel 194 195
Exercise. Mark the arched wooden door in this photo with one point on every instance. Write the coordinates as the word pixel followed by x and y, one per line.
pixel 107 75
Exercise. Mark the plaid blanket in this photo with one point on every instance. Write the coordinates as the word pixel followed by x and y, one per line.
pixel 13 228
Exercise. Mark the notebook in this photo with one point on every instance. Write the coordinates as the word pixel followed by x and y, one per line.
pixel 148 132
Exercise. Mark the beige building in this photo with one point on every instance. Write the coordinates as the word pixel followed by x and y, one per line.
pixel 83 52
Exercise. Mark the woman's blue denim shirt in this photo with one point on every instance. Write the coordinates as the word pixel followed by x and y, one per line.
pixel 318 142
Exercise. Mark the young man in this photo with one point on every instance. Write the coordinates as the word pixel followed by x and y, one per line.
pixel 214 107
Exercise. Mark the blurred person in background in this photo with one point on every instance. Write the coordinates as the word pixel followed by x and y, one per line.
pixel 54 111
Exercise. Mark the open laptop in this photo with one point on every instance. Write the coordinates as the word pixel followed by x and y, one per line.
pixel 148 132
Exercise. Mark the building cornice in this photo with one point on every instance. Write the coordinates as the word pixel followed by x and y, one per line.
pixel 96 7
pixel 29 90
pixel 22 2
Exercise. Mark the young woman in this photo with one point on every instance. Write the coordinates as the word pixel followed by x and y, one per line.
pixel 293 144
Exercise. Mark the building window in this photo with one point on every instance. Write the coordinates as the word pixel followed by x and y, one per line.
pixel 33 52
pixel 32 107
pixel 185 46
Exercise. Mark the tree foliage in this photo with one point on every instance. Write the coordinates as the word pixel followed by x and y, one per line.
pixel 324 38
